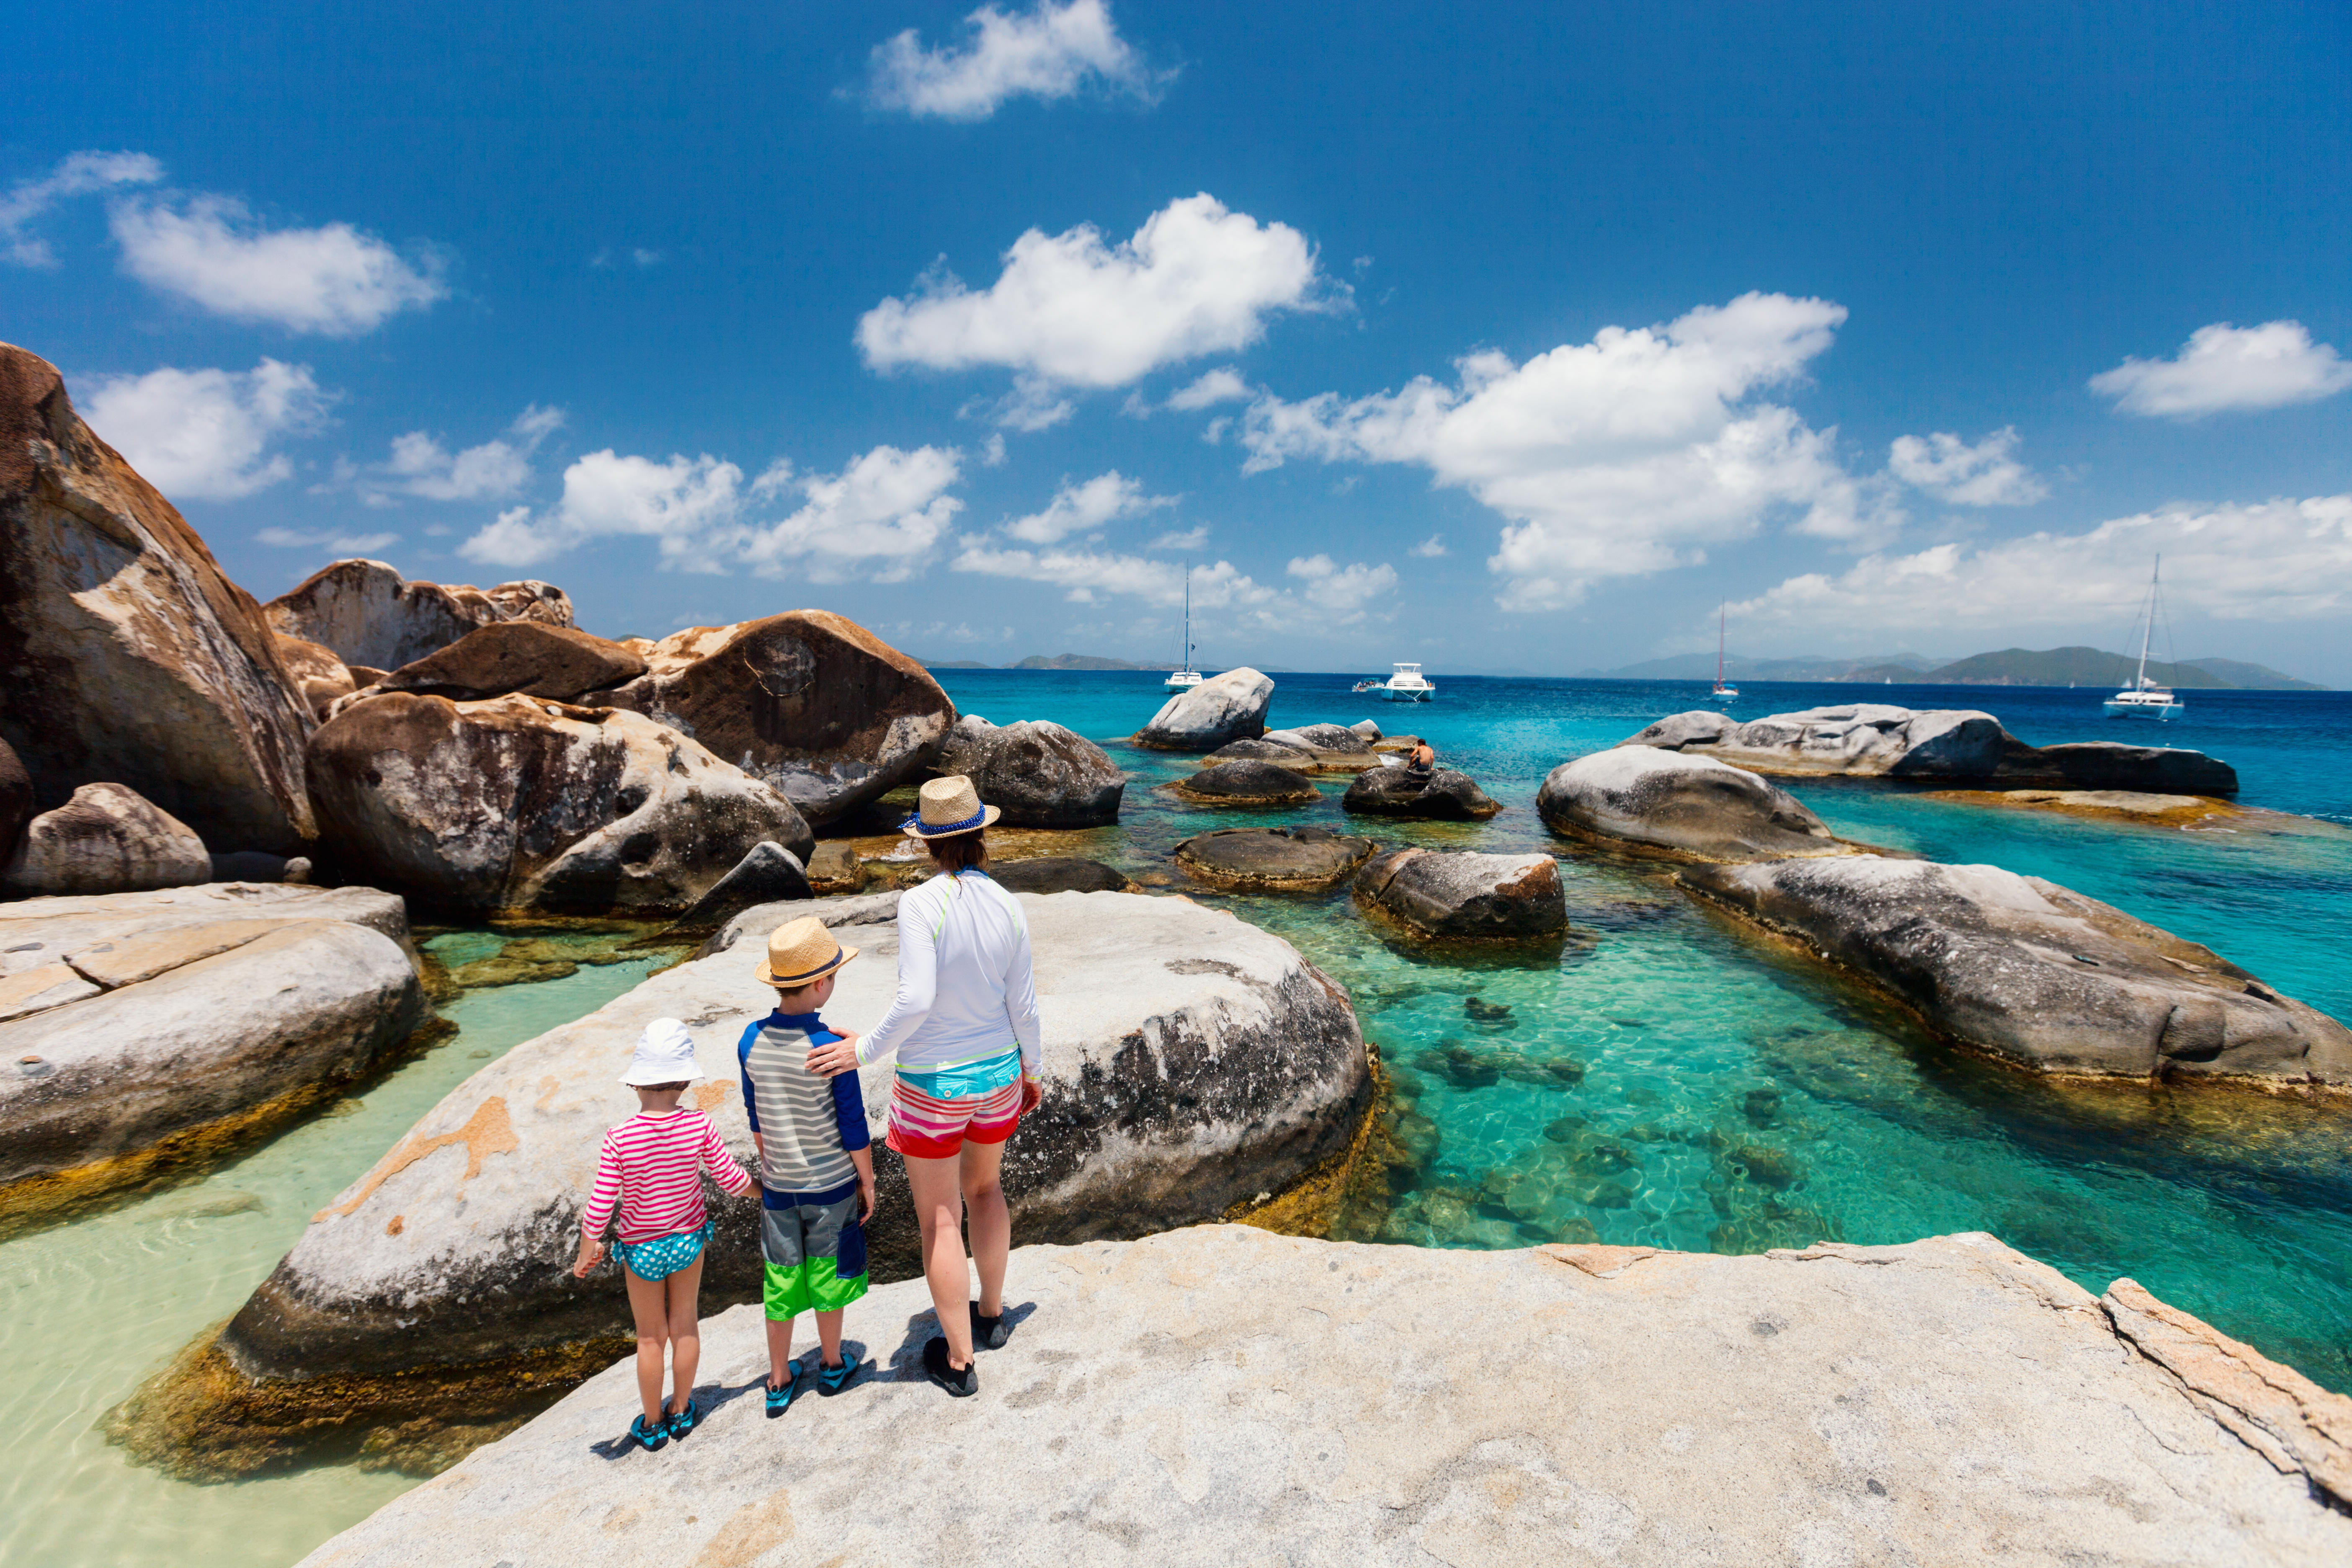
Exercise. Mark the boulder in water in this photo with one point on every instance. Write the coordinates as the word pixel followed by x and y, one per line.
pixel 1246 783
pixel 529 656
pixel 368 614
pixel 1441 795
pixel 2033 974
pixel 1058 874
pixel 1464 896
pixel 126 655
pixel 1327 747
pixel 2114 765
pixel 1273 859
pixel 1366 731
pixel 1037 773
pixel 1259 750
pixel 105 841
pixel 519 803
pixel 1228 707
pixel 1687 806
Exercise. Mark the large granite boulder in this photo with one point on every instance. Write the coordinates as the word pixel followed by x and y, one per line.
pixel 1692 807
pixel 1441 795
pixel 1039 774
pixel 1464 896
pixel 529 657
pixel 1246 783
pixel 144 1028
pixel 1228 707
pixel 769 874
pixel 813 704
pixel 1259 750
pixel 1221 1393
pixel 126 654
pixel 2117 765
pixel 319 675
pixel 1273 859
pixel 16 800
pixel 1058 874
pixel 1327 747
pixel 368 614
pixel 1190 1061
pixel 520 804
pixel 104 840
pixel 2033 974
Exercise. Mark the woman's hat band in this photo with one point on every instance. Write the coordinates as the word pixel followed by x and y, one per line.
pixel 974 820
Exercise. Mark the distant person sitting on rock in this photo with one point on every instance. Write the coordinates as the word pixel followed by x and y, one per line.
pixel 964 1029
pixel 1421 761
pixel 816 1174
pixel 651 1167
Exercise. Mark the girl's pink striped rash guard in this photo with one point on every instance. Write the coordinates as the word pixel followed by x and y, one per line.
pixel 651 1167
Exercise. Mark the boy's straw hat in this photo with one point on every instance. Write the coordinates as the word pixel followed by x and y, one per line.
pixel 801 953
pixel 946 807
pixel 664 1055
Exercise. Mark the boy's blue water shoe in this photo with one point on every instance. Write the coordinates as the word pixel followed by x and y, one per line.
pixel 832 1380
pixel 780 1399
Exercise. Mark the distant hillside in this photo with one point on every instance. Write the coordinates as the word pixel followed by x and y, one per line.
pixel 952 664
pixel 1081 661
pixel 2252 677
pixel 1738 667
pixel 2095 667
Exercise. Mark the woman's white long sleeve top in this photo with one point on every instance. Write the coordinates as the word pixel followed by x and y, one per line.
pixel 965 990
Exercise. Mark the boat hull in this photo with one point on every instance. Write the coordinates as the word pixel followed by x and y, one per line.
pixel 1391 694
pixel 2145 709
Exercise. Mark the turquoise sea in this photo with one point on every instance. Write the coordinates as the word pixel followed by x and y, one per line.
pixel 1662 1080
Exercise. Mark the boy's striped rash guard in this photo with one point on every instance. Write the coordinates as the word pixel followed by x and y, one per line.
pixel 806 1124
pixel 964 979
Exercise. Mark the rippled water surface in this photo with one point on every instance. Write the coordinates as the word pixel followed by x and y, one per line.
pixel 1660 1080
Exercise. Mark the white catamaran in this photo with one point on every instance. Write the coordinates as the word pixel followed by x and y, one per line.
pixel 1185 677
pixel 2146 698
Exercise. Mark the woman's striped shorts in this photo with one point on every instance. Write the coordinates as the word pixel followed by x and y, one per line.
pixel 925 1127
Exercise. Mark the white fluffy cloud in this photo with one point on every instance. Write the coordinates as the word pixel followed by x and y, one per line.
pixel 1070 311
pixel 328 540
pixel 333 279
pixel 204 435
pixel 1092 575
pixel 1430 549
pixel 2223 367
pixel 1222 385
pixel 419 465
pixel 1987 474
pixel 1623 456
pixel 1343 593
pixel 76 175
pixel 1080 508
pixel 2279 559
pixel 1049 52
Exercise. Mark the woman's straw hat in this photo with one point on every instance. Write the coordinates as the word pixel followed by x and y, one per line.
pixel 801 953
pixel 948 806
pixel 664 1055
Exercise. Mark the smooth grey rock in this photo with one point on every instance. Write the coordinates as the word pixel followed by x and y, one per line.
pixel 1038 774
pixel 1260 750
pixel 1441 795
pixel 862 909
pixel 769 874
pixel 1465 897
pixel 1326 747
pixel 106 839
pixel 1366 731
pixel 1190 1060
pixel 526 805
pixel 2034 973
pixel 1058 874
pixel 1228 707
pixel 1693 806
pixel 367 614
pixel 1246 783
pixel 1273 859
pixel 536 659
pixel 2117 765
pixel 1221 1395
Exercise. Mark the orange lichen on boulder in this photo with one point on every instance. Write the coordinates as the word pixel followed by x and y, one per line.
pixel 490 1131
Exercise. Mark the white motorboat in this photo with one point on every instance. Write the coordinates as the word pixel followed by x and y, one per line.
pixel 1407 684
pixel 1185 677
pixel 2146 698
pixel 1722 692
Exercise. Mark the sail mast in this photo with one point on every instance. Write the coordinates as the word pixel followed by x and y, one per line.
pixel 2148 629
pixel 1718 642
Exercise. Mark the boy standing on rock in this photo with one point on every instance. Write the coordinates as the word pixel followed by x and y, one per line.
pixel 816 1174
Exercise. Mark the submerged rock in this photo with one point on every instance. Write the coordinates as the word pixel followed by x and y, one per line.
pixel 1246 783
pixel 1695 807
pixel 517 803
pixel 1273 859
pixel 1465 896
pixel 106 839
pixel 1228 707
pixel 1058 874
pixel 2035 974
pixel 1624 1405
pixel 1038 774
pixel 368 615
pixel 536 659
pixel 126 655
pixel 1443 794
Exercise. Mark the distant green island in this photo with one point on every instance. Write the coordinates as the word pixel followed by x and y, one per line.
pixel 1042 661
pixel 2009 667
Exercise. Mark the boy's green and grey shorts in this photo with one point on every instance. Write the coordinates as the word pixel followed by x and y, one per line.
pixel 814 1250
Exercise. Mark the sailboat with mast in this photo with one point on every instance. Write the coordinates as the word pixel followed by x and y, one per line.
pixel 1723 692
pixel 1184 677
pixel 2146 698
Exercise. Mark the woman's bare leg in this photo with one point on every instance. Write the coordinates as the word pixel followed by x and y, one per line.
pixel 990 1224
pixel 647 1306
pixel 939 1208
pixel 684 1333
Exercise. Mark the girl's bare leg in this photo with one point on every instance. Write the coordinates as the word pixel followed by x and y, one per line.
pixel 989 1224
pixel 939 1208
pixel 648 1306
pixel 685 1335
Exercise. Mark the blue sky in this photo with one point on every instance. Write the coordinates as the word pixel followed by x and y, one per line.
pixel 1499 337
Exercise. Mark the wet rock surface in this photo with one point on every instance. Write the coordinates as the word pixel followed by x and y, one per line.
pixel 1630 1406
pixel 527 657
pixel 1441 795
pixel 1273 859
pixel 2033 974
pixel 1465 896
pixel 1228 707
pixel 1246 783
pixel 1039 774
pixel 1058 874
pixel 106 839
pixel 368 615
pixel 1692 806
pixel 126 655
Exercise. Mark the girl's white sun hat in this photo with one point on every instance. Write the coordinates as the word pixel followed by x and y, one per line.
pixel 664 1055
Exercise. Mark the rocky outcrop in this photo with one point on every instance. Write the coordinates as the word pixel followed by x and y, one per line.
pixel 104 840
pixel 1246 783
pixel 2113 765
pixel 1364 729
pixel 1465 897
pixel 1058 874
pixel 769 874
pixel 1689 807
pixel 1441 795
pixel 2033 974
pixel 368 614
pixel 519 803
pixel 142 1030
pixel 1273 859
pixel 1189 1061
pixel 535 659
pixel 1038 774
pixel 126 655
pixel 1228 707
pixel 319 675
pixel 1258 750
pixel 1220 1391
pixel 15 801
pixel 1324 748
pixel 817 706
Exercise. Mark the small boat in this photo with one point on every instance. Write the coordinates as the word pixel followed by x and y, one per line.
pixel 2146 698
pixel 1185 677
pixel 1405 685
pixel 1722 692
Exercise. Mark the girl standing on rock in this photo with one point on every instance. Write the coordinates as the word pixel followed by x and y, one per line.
pixel 964 1030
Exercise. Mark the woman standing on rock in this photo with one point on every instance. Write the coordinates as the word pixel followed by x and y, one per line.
pixel 964 1030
